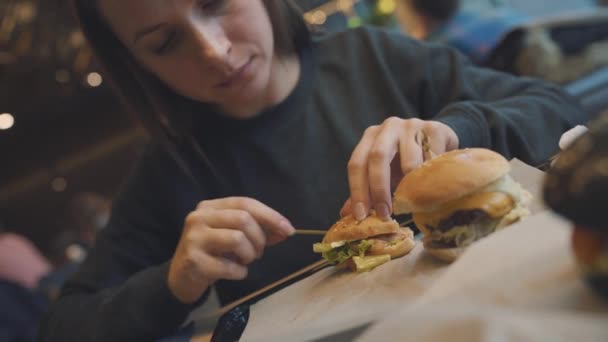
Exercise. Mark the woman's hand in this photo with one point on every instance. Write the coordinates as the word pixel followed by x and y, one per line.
pixel 384 155
pixel 220 238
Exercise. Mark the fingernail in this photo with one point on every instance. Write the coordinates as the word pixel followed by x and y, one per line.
pixel 287 228
pixel 359 212
pixel 382 211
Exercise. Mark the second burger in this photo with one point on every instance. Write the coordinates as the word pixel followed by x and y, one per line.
pixel 460 197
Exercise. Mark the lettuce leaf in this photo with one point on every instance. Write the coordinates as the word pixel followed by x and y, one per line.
pixel 363 247
pixel 368 263
pixel 340 254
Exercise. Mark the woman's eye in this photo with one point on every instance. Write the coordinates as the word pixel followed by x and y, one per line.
pixel 210 5
pixel 167 44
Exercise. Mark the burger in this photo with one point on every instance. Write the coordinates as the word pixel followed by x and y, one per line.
pixel 460 197
pixel 576 187
pixel 364 245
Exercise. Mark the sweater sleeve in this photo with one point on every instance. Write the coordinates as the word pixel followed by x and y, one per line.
pixel 515 116
pixel 120 292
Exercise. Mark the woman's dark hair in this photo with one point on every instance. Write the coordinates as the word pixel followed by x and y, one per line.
pixel 437 9
pixel 159 108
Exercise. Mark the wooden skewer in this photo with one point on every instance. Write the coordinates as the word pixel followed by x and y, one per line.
pixel 310 232
pixel 405 223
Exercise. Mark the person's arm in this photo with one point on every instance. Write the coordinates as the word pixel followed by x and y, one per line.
pixel 515 116
pixel 165 245
pixel 458 105
pixel 121 291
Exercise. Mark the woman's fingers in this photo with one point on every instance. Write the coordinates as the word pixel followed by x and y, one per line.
pixel 275 225
pixel 380 156
pixel 371 170
pixel 346 208
pixel 239 220
pixel 225 242
pixel 358 174
pixel 222 268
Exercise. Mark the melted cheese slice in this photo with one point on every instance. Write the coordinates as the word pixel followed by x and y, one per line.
pixel 495 204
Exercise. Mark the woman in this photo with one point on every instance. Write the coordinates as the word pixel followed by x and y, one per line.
pixel 260 128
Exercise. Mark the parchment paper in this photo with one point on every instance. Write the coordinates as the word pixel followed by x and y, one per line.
pixel 520 284
pixel 331 300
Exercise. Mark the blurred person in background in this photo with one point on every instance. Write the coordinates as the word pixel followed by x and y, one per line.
pixel 423 18
pixel 87 214
pixel 258 126
pixel 475 32
pixel 20 261
pixel 22 266
pixel 479 32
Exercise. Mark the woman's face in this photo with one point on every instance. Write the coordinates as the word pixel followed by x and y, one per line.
pixel 214 51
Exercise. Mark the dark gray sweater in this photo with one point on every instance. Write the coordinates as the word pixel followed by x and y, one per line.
pixel 293 158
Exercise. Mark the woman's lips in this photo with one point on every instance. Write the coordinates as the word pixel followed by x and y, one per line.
pixel 238 76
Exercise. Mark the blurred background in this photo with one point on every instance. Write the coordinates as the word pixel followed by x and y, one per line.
pixel 66 143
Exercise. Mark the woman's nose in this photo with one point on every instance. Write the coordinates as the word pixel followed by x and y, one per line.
pixel 211 42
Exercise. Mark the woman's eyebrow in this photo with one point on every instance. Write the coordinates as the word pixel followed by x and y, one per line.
pixel 139 34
